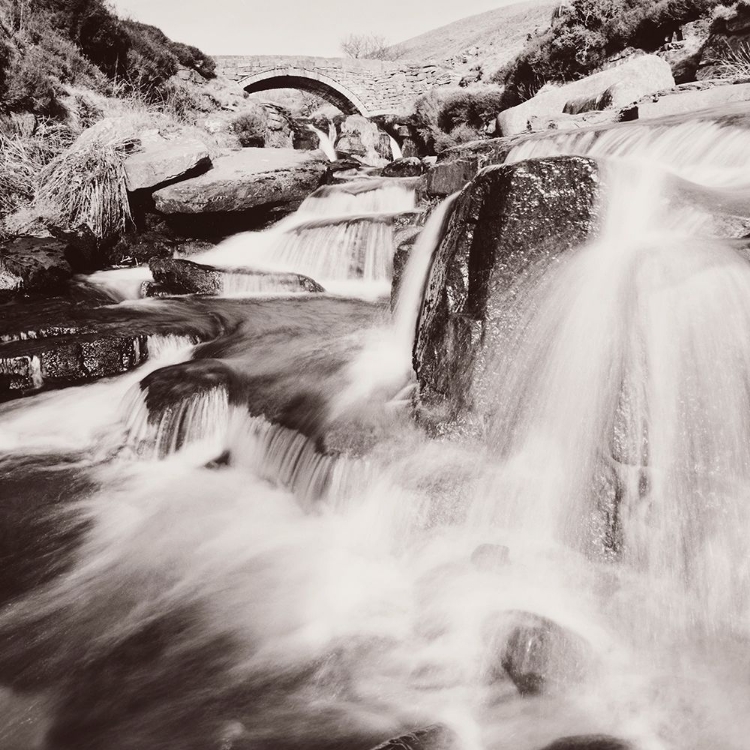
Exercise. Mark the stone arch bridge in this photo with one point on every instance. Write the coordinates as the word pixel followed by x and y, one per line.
pixel 366 87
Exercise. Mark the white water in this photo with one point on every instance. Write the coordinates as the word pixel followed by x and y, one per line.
pixel 362 610
pixel 342 237
pixel 396 152
pixel 325 143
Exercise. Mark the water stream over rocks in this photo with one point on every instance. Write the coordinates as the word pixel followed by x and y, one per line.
pixel 249 541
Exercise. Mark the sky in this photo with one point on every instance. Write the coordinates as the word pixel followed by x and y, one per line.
pixel 294 27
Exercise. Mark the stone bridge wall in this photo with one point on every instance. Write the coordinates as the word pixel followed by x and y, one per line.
pixel 383 87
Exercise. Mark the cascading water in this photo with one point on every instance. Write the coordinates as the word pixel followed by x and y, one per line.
pixel 396 152
pixel 325 143
pixel 342 236
pixel 218 581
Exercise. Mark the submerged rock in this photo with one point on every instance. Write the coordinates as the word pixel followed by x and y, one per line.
pixel 589 742
pixel 490 557
pixel 245 180
pixel 512 218
pixel 433 737
pixel 33 264
pixel 538 654
pixel 179 276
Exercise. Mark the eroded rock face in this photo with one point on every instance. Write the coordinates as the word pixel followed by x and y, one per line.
pixel 33 264
pixel 537 654
pixel 245 180
pixel 510 219
pixel 179 276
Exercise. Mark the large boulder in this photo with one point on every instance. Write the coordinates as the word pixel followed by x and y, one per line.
pixel 179 276
pixel 33 264
pixel 161 159
pixel 509 219
pixel 410 166
pixel 245 180
pixel 615 87
pixel 691 98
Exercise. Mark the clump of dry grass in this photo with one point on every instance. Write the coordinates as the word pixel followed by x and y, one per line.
pixel 86 185
pixel 24 152
pixel 735 63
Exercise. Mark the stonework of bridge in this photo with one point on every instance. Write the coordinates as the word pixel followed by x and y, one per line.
pixel 367 87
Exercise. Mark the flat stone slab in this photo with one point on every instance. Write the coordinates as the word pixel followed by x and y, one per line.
pixel 33 264
pixel 162 160
pixel 685 102
pixel 244 180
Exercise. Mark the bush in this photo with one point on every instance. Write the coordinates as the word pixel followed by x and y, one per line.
pixel 29 87
pixel 585 33
pixel 250 129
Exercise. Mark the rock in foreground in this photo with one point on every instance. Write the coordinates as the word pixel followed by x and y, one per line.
pixel 538 654
pixel 244 180
pixel 161 160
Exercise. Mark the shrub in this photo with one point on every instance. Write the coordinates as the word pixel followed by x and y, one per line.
pixel 470 107
pixel 29 87
pixel 250 129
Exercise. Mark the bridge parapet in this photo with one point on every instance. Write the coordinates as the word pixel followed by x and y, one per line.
pixel 371 87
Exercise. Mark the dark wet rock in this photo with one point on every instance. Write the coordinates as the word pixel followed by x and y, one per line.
pixel 511 220
pixel 490 557
pixel 83 249
pixel 137 249
pixel 406 167
pixel 27 366
pixel 245 180
pixel 589 742
pixel 400 258
pixel 58 342
pixel 433 737
pixel 33 264
pixel 180 276
pixel 152 289
pixel 537 654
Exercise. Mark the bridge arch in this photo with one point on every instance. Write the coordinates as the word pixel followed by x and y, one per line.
pixel 306 80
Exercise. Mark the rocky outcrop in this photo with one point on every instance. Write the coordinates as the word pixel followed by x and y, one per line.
pixel 537 654
pixel 33 264
pixel 160 160
pixel 179 276
pixel 245 180
pixel 614 87
pixel 693 97
pixel 360 137
pixel 509 219
pixel 433 737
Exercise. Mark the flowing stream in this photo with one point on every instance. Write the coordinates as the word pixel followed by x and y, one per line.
pixel 282 558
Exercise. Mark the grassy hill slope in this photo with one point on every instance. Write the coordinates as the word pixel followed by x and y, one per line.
pixel 489 39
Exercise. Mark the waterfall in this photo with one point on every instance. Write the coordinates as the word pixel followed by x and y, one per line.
pixel 173 545
pixel 396 152
pixel 325 143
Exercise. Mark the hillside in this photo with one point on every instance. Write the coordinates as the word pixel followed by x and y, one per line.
pixel 489 39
